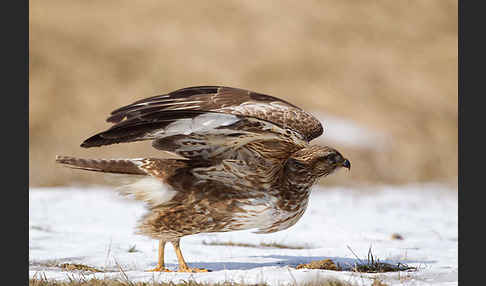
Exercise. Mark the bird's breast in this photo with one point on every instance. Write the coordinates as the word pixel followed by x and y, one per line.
pixel 272 213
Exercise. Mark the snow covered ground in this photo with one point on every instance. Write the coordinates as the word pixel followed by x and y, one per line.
pixel 94 226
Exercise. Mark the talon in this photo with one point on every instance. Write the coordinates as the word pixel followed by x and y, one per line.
pixel 159 269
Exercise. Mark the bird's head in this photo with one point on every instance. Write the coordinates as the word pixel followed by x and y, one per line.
pixel 318 161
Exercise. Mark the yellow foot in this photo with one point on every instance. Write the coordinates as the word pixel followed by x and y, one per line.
pixel 191 270
pixel 159 269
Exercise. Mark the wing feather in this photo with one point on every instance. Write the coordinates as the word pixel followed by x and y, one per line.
pixel 225 100
pixel 220 130
pixel 213 123
pixel 158 124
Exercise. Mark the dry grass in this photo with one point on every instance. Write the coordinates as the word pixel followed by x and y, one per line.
pixel 378 282
pixel 133 249
pixel 374 265
pixel 80 267
pixel 115 282
pixel 370 265
pixel 388 65
pixel 118 282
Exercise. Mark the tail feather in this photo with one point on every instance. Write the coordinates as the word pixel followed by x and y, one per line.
pixel 118 166
pixel 150 189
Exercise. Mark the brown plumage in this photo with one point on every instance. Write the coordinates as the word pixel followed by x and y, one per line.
pixel 241 160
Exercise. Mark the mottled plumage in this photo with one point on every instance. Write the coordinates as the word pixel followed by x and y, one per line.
pixel 240 160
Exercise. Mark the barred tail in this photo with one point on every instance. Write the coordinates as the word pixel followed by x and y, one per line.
pixel 118 166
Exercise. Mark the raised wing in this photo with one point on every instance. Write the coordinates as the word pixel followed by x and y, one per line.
pixel 211 123
pixel 225 100
pixel 233 136
pixel 204 135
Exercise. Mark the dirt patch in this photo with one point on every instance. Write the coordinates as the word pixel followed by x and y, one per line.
pixel 82 267
pixel 396 236
pixel 326 264
pixel 363 267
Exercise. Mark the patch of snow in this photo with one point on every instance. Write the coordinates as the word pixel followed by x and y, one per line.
pixel 95 226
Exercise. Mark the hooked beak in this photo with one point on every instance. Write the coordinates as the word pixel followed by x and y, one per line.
pixel 347 164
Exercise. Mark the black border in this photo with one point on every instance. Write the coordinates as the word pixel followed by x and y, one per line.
pixel 460 91
pixel 471 121
pixel 14 138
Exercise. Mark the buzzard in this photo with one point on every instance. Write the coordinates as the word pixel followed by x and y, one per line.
pixel 239 160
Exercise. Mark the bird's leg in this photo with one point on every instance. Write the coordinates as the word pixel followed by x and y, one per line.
pixel 182 263
pixel 160 265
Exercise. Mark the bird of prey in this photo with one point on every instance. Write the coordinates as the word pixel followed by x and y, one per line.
pixel 240 160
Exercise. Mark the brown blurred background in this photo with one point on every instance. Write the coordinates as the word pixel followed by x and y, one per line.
pixel 383 72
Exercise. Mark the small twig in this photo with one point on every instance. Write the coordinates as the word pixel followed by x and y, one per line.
pixel 292 276
pixel 354 254
pixel 125 276
pixel 107 255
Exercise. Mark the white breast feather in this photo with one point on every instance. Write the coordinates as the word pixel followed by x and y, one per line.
pixel 258 215
pixel 149 190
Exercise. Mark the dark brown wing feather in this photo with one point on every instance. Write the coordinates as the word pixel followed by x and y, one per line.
pixel 225 100
pixel 215 123
pixel 140 127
